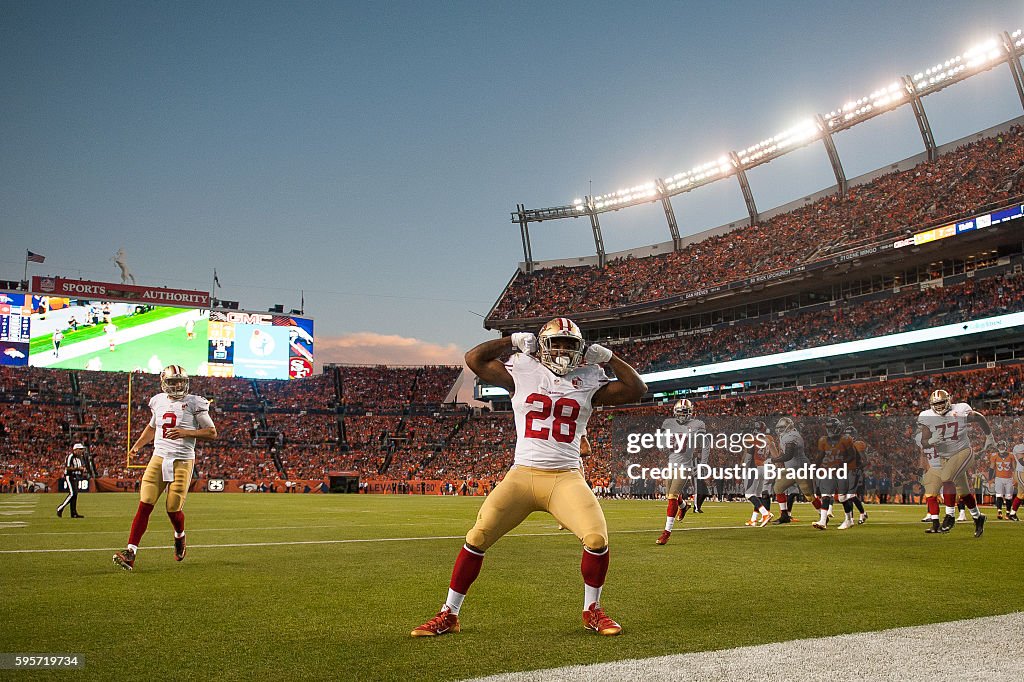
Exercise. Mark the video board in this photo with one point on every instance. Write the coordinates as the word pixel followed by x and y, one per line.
pixel 119 336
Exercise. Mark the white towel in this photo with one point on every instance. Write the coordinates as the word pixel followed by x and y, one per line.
pixel 167 469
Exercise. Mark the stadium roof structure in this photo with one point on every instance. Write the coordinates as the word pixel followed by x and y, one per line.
pixel 905 90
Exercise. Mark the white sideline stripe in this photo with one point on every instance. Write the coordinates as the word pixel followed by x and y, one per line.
pixel 991 648
pixel 413 539
pixel 202 530
pixel 12 524
pixel 331 542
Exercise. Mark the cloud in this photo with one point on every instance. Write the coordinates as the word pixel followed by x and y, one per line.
pixel 370 348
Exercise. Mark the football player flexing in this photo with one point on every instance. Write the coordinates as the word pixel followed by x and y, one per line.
pixel 792 456
pixel 555 383
pixel 682 462
pixel 178 420
pixel 944 425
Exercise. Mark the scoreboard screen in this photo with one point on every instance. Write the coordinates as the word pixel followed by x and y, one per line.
pixel 50 331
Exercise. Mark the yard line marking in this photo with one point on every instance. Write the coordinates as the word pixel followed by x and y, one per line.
pixel 369 540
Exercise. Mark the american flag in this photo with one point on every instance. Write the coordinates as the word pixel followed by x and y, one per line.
pixel 34 257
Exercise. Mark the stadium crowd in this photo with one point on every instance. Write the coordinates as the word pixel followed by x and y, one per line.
pixel 910 309
pixel 960 181
pixel 464 450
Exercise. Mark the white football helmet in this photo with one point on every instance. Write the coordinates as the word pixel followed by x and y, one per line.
pixel 683 410
pixel 784 425
pixel 174 382
pixel 558 355
pixel 940 402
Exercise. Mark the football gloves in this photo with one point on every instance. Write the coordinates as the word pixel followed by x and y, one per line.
pixel 597 354
pixel 525 342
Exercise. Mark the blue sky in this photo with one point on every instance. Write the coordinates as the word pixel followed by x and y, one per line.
pixel 371 154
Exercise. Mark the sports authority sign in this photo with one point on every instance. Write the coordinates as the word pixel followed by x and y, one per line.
pixel 108 291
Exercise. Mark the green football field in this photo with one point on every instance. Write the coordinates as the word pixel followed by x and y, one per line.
pixel 169 346
pixel 330 586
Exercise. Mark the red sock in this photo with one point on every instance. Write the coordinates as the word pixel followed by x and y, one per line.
pixel 1016 503
pixel 177 520
pixel 949 499
pixel 673 507
pixel 933 506
pixel 781 499
pixel 969 502
pixel 140 523
pixel 467 568
pixel 816 503
pixel 594 567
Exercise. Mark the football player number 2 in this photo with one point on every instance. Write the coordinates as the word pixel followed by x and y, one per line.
pixel 170 419
pixel 562 412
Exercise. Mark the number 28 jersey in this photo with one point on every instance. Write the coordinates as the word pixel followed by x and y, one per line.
pixel 551 411
pixel 191 412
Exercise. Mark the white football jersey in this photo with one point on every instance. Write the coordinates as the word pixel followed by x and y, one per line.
pixel 551 411
pixel 192 412
pixel 934 461
pixel 949 431
pixel 792 443
pixel 695 449
pixel 1018 454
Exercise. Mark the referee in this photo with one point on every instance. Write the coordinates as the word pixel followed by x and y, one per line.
pixel 74 471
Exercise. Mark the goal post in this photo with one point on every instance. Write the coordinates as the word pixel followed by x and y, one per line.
pixel 129 464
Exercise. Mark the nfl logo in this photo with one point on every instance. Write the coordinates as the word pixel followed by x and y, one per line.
pixel 47 284
pixel 577 382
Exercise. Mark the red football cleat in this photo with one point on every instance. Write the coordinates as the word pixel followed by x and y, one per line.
pixel 663 538
pixel 595 619
pixel 444 622
pixel 125 559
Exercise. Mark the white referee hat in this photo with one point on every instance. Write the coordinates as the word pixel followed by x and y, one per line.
pixel 78 446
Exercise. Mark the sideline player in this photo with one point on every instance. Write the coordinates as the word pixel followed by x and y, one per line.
pixel 754 459
pixel 179 420
pixel 944 425
pixel 1001 465
pixel 792 457
pixel 683 462
pixel 858 487
pixel 1018 478
pixel 835 450
pixel 555 386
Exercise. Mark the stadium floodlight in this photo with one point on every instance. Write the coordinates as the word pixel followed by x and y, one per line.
pixel 978 58
pixel 1018 38
pixel 800 134
pixel 720 167
pixel 648 191
pixel 877 102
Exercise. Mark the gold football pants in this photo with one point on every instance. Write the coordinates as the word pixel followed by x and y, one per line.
pixel 953 469
pixel 562 493
pixel 153 482
pixel 787 478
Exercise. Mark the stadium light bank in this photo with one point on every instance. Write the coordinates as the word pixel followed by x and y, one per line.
pixel 1005 48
